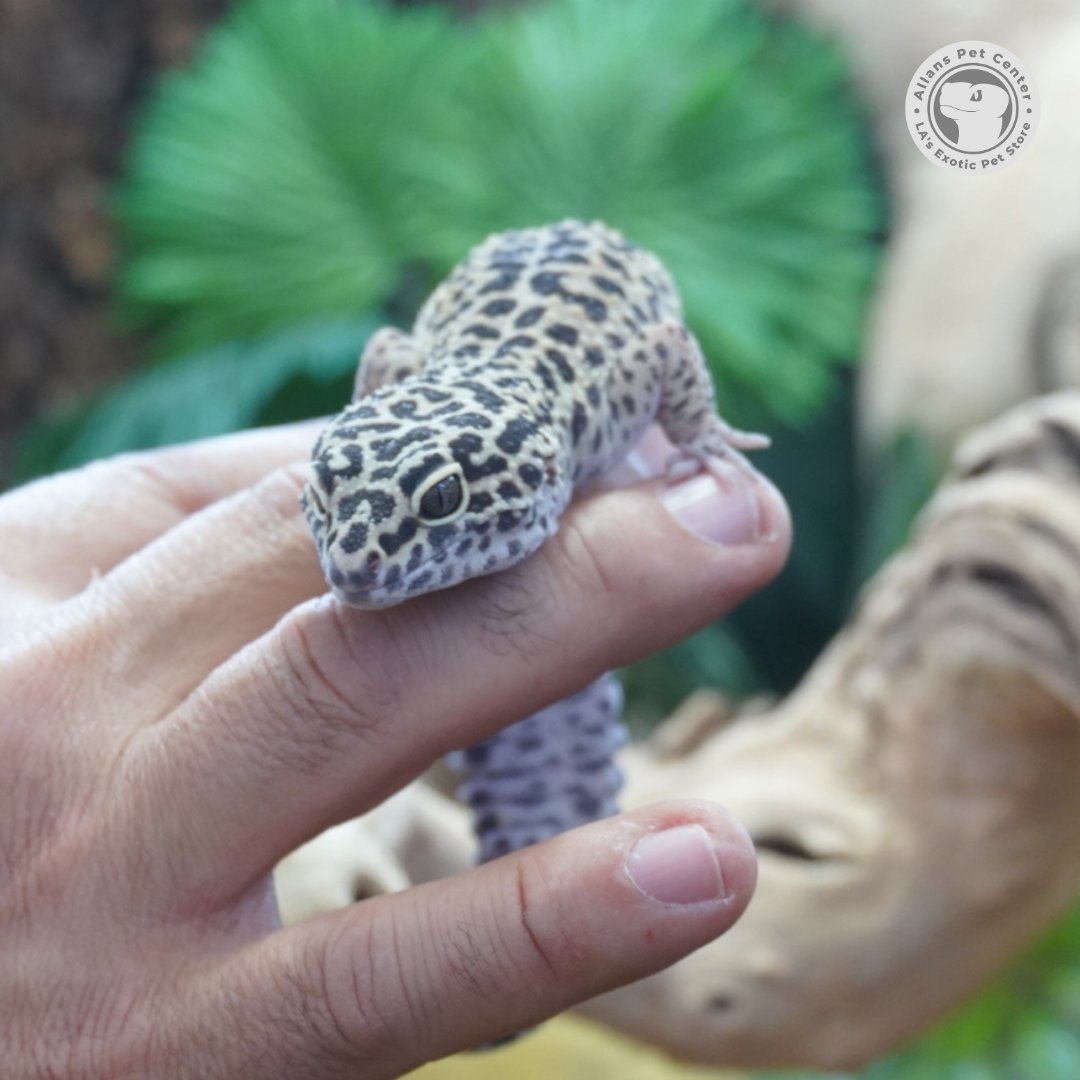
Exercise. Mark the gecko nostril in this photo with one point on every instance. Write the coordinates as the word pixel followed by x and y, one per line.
pixel 372 564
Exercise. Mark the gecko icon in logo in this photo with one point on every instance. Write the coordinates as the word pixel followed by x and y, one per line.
pixel 972 107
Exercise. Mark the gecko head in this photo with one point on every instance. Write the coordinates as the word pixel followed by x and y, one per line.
pixel 410 490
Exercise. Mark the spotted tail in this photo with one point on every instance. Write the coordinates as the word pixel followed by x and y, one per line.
pixel 547 773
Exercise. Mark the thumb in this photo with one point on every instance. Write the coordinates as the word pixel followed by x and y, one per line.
pixel 404 978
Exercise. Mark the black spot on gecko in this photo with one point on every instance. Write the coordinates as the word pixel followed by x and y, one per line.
pixel 531 475
pixel 614 264
pixel 463 547
pixel 466 444
pixel 509 490
pixel 355 538
pixel 419 582
pixel 468 420
pixel 521 341
pixel 593 396
pixel 432 394
pixel 586 803
pixel 546 283
pixel 482 330
pixel 479 501
pixel 502 306
pixel 594 357
pixel 529 316
pixel 476 470
pixel 504 282
pixel 562 333
pixel 478 754
pixel 579 422
pixel 440 535
pixel 628 405
pixel 391 543
pixel 515 433
pixel 607 285
pixel 595 309
pixel 389 449
pixel 484 396
pixel 558 358
pixel 546 377
pixel 354 455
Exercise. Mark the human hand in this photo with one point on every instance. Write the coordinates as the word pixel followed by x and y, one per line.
pixel 182 706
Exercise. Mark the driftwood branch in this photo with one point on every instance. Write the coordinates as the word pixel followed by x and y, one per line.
pixel 914 801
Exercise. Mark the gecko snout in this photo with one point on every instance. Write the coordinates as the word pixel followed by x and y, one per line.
pixel 366 574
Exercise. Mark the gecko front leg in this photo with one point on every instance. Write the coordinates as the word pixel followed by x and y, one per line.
pixel 388 357
pixel 687 408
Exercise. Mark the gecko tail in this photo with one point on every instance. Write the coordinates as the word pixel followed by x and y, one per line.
pixel 548 773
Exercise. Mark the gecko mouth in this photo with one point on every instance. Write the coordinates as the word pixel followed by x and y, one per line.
pixel 370 586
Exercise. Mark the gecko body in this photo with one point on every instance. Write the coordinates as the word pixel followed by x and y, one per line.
pixel 533 368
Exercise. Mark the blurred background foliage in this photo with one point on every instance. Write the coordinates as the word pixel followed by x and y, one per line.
pixel 323 163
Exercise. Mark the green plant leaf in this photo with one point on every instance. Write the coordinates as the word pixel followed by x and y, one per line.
pixel 268 185
pixel 723 140
pixel 324 157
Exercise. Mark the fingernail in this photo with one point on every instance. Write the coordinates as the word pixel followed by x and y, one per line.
pixel 677 866
pixel 723 512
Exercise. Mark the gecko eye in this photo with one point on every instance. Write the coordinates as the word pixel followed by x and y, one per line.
pixel 977 96
pixel 443 497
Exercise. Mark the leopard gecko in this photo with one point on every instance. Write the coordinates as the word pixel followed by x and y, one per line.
pixel 531 370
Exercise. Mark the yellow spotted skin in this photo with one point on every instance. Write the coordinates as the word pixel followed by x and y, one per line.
pixel 534 367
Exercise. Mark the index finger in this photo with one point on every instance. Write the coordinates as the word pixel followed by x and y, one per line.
pixel 59 532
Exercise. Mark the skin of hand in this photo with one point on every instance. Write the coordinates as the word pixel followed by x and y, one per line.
pixel 183 705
